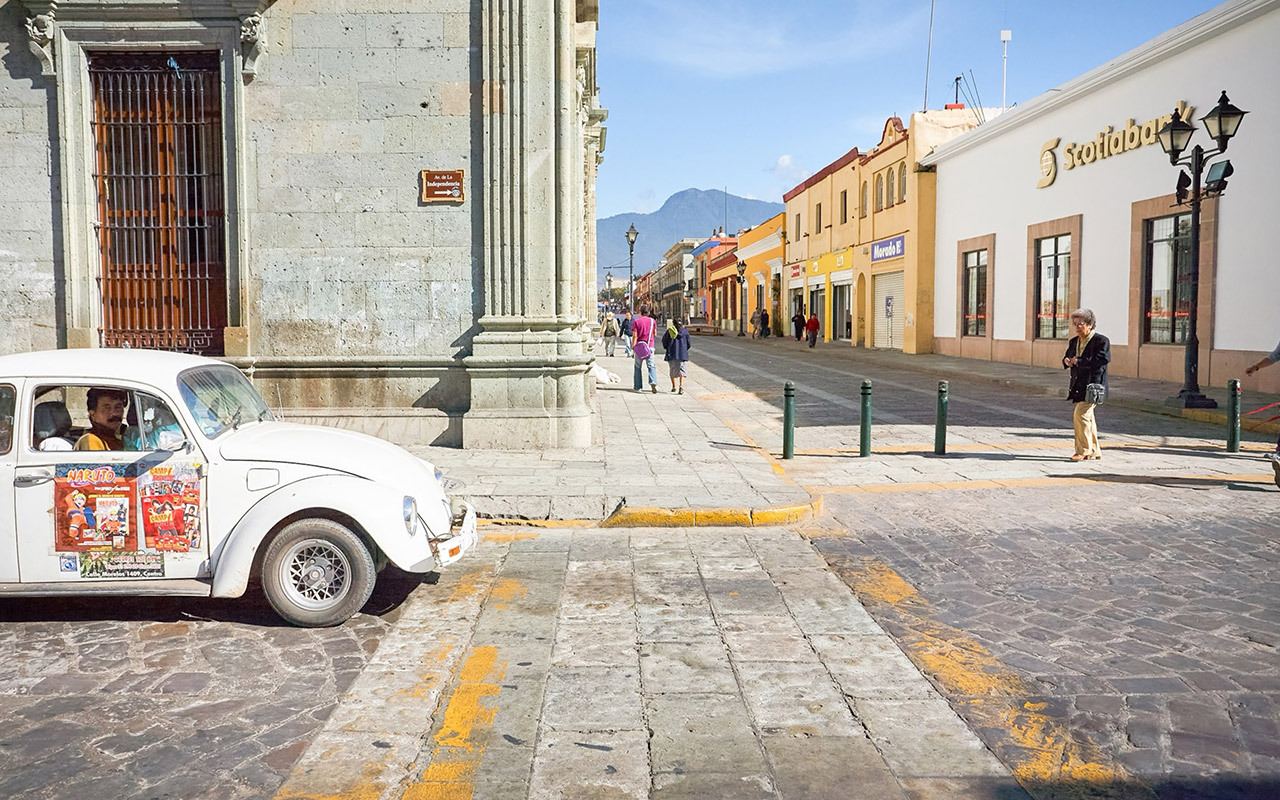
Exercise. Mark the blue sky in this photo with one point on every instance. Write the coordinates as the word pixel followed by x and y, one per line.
pixel 755 95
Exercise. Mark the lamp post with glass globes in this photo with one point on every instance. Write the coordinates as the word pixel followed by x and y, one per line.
pixel 742 306
pixel 1221 123
pixel 631 235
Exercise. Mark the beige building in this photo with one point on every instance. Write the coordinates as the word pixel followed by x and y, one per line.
pixel 859 246
pixel 369 204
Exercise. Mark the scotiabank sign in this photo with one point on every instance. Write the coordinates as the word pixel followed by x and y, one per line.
pixel 1109 142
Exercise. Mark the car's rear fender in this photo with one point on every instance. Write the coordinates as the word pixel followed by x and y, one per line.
pixel 376 509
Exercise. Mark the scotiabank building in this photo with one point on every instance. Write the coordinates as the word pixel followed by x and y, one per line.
pixel 1069 201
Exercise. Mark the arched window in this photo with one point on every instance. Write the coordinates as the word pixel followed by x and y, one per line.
pixel 879 192
pixel 862 207
pixel 902 183
pixel 892 195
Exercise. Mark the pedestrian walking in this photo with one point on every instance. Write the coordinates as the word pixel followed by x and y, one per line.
pixel 797 322
pixel 625 331
pixel 811 327
pixel 755 324
pixel 676 342
pixel 1267 361
pixel 1087 356
pixel 764 323
pixel 642 340
pixel 609 331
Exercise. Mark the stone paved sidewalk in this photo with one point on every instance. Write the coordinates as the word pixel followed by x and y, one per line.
pixel 637 664
pixel 718 446
pixel 659 450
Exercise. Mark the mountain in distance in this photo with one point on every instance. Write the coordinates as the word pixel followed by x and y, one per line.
pixel 689 214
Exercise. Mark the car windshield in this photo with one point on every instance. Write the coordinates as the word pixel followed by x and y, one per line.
pixel 221 398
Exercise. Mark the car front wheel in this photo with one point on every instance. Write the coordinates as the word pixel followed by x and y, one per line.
pixel 317 573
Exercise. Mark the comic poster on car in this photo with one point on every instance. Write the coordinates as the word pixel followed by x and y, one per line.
pixel 94 509
pixel 170 508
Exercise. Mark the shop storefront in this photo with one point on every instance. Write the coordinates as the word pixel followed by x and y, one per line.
pixel 1069 200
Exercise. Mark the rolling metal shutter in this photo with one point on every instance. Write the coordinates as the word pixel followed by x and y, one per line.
pixel 889 309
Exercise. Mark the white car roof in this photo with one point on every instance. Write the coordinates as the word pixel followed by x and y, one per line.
pixel 101 363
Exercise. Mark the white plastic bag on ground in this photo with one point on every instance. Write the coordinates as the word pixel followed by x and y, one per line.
pixel 603 375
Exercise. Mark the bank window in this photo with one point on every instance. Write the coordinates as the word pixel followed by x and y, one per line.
pixel 902 183
pixel 817 218
pixel 1053 273
pixel 879 192
pixel 1167 246
pixel 844 206
pixel 862 209
pixel 798 228
pixel 975 293
pixel 890 198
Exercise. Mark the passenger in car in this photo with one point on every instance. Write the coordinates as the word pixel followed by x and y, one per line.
pixel 106 418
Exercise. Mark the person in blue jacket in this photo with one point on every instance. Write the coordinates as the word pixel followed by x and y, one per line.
pixel 676 342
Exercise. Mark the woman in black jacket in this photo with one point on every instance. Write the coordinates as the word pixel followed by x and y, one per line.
pixel 1087 356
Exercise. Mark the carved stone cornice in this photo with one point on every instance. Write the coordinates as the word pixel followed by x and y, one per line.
pixel 45 15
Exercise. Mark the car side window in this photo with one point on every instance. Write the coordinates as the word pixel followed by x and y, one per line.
pixel 152 425
pixel 8 401
pixel 118 419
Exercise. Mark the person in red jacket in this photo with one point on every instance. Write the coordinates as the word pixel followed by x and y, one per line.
pixel 812 328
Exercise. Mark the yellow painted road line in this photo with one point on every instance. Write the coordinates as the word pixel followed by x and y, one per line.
pixel 1039 483
pixel 1037 747
pixel 1048 444
pixel 768 456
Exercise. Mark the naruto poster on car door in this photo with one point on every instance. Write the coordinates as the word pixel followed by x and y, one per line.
pixel 118 521
pixel 92 509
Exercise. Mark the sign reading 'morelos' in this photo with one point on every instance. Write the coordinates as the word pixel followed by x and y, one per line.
pixel 893 247
pixel 1109 142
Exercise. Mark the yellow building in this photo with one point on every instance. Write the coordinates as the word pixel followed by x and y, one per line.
pixel 860 236
pixel 760 248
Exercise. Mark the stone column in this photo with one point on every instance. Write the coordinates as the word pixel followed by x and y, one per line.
pixel 529 368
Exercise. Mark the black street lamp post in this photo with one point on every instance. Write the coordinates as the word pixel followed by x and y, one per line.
pixel 631 235
pixel 742 306
pixel 1221 123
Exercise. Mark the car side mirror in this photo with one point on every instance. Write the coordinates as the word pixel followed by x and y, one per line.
pixel 172 441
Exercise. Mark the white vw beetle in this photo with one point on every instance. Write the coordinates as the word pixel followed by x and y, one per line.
pixel 206 489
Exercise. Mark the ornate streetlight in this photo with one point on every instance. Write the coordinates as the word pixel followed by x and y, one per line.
pixel 1221 123
pixel 742 307
pixel 631 235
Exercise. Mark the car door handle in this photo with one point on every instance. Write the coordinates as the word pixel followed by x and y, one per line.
pixel 32 480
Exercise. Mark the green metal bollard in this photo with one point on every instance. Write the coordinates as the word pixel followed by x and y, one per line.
pixel 1233 416
pixel 940 428
pixel 864 439
pixel 789 420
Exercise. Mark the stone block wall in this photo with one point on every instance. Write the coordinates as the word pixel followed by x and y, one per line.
pixel 30 227
pixel 350 102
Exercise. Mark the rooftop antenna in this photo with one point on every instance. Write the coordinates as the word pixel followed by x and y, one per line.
pixel 958 79
pixel 928 56
pixel 1005 36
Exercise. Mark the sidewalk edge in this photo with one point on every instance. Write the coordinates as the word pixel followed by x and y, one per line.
pixel 712 517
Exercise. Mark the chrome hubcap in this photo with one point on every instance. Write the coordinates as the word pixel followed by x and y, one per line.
pixel 316 574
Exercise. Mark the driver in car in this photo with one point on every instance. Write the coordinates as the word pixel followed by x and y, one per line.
pixel 106 418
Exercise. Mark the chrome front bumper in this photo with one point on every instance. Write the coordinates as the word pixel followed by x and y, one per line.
pixel 461 540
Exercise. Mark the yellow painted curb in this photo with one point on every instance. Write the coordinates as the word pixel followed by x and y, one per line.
pixel 712 517
pixel 721 517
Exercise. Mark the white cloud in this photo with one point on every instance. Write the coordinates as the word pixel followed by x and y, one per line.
pixel 787 170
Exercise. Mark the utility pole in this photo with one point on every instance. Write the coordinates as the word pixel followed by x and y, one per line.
pixel 1005 36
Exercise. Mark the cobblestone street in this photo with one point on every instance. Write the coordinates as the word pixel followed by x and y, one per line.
pixel 1124 626
pixel 144 697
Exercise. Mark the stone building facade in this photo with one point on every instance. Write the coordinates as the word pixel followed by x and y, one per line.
pixel 381 204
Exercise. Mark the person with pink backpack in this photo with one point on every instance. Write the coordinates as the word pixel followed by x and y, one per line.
pixel 642 348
